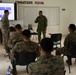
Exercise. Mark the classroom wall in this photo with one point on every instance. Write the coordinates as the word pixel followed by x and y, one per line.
pixel 73 11
pixel 66 17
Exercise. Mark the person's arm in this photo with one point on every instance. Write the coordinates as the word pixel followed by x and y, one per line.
pixel 36 21
pixel 61 69
pixel 38 51
pixel 10 43
pixel 30 69
pixel 3 20
pixel 66 42
pixel 13 51
pixel 16 47
pixel 45 21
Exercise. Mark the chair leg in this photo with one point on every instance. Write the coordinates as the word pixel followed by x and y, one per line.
pixel 69 62
pixel 64 72
pixel 56 46
pixel 63 58
pixel 69 68
pixel 27 68
pixel 14 71
pixel 60 44
pixel 75 61
pixel 36 37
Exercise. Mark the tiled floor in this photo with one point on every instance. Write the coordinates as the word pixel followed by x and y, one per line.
pixel 5 62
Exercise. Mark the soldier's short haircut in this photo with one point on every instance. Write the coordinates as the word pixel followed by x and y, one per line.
pixel 40 11
pixel 72 27
pixel 6 11
pixel 46 44
pixel 18 26
pixel 26 33
pixel 12 29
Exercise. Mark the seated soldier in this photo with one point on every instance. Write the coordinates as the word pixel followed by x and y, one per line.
pixel 69 42
pixel 47 64
pixel 12 30
pixel 15 35
pixel 24 46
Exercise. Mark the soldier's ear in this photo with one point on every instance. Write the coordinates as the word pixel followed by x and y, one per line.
pixel 39 49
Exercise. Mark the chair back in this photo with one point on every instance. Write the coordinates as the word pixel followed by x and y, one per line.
pixel 24 58
pixel 30 27
pixel 56 37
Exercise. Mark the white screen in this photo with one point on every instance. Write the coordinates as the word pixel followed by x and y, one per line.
pixel 9 7
pixel 52 14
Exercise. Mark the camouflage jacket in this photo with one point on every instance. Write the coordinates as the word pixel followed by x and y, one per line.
pixel 14 38
pixel 25 46
pixel 50 65
pixel 70 41
pixel 42 22
pixel 4 24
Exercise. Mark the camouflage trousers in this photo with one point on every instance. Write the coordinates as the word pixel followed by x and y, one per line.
pixel 39 34
pixel 59 51
pixel 5 36
pixel 62 50
pixel 66 52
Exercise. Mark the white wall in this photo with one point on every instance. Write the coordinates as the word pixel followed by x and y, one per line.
pixel 66 17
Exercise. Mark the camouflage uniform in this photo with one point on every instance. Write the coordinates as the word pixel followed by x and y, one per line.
pixel 24 47
pixel 42 24
pixel 50 65
pixel 69 42
pixel 5 31
pixel 14 38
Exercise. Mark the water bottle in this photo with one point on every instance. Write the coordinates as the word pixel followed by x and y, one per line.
pixel 8 71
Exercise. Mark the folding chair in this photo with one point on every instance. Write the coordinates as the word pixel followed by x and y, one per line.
pixel 23 59
pixel 56 38
pixel 32 33
pixel 71 55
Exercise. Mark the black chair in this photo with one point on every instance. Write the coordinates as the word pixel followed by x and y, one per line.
pixel 32 31
pixel 56 38
pixel 72 54
pixel 23 59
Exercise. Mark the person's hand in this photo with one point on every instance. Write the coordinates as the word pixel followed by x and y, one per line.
pixel 39 49
pixel 36 21
pixel 45 28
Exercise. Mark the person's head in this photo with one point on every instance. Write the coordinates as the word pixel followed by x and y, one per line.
pixel 40 13
pixel 46 45
pixel 71 28
pixel 18 28
pixel 6 12
pixel 12 29
pixel 26 34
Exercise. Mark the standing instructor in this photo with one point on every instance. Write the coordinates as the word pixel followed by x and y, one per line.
pixel 5 29
pixel 42 25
